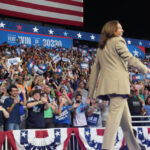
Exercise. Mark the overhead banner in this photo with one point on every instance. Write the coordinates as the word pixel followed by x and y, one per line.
pixel 48 41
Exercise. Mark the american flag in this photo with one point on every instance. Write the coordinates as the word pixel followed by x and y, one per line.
pixel 68 12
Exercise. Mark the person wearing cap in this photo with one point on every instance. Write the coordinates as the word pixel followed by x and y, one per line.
pixel 36 107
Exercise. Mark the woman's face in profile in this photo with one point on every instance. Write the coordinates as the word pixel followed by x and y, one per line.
pixel 119 31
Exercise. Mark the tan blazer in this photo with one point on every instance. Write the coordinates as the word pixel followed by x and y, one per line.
pixel 109 74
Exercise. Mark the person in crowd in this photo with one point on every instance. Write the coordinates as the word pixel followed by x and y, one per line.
pixel 79 115
pixel 62 112
pixel 36 107
pixel 3 94
pixel 104 107
pixel 3 114
pixel 109 76
pixel 135 106
pixel 22 97
pixel 94 118
pixel 12 105
pixel 48 114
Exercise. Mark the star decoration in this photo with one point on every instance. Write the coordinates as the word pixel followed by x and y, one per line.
pixel 23 134
pixel 2 25
pixel 140 43
pixel 87 133
pixel 51 31
pixel 79 35
pixel 65 33
pixel 57 143
pixel 140 132
pixel 129 42
pixel 35 29
pixel 57 133
pixel 25 145
pixel 92 37
pixel 136 53
pixel 19 27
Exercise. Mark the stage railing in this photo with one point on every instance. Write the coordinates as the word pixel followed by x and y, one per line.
pixel 73 143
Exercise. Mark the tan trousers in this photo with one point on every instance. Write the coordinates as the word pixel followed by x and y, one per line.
pixel 119 115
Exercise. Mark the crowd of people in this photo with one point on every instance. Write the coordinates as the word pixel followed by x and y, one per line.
pixel 39 90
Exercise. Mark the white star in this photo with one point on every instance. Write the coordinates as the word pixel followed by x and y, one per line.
pixel 87 133
pixel 57 143
pixel 92 37
pixel 2 25
pixel 95 145
pixel 136 53
pixel 35 29
pixel 57 133
pixel 79 35
pixel 65 33
pixel 25 145
pixel 140 43
pixel 50 31
pixel 23 134
pixel 129 42
pixel 140 132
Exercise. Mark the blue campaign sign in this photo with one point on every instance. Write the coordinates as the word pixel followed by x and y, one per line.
pixel 29 39
pixel 137 77
pixel 147 76
pixel 93 120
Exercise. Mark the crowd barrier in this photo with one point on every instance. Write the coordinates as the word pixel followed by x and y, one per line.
pixel 71 138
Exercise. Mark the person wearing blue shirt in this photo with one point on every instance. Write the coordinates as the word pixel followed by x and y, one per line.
pixel 62 114
pixel 12 105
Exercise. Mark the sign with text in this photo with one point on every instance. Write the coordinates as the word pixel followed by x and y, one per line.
pixel 48 41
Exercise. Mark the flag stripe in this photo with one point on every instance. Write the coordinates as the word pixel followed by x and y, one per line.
pixel 39 12
pixel 44 8
pixel 71 2
pixel 53 4
pixel 36 17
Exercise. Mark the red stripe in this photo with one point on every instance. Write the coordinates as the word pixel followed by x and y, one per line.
pixel 141 48
pixel 69 131
pixel 148 130
pixel 39 18
pixel 100 132
pixel 44 8
pixel 76 131
pixel 36 34
pixel 41 133
pixel 68 2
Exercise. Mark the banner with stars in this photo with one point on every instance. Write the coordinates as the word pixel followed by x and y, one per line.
pixel 92 138
pixel 57 139
pixel 11 37
pixel 62 32
pixel 137 51
pixel 49 139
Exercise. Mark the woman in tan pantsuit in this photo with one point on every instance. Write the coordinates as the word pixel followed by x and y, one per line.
pixel 109 77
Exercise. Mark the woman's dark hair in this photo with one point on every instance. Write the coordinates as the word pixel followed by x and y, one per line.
pixel 107 32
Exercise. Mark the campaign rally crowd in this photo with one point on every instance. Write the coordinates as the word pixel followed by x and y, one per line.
pixel 48 88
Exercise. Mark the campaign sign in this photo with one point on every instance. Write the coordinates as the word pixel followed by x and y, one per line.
pixel 48 41
pixel 147 76
pixel 138 77
pixel 14 61
pixel 93 120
